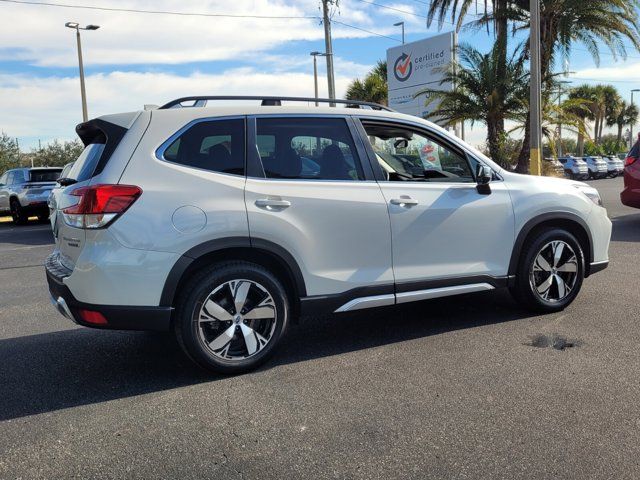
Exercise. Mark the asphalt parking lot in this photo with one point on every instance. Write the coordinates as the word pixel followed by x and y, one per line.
pixel 463 387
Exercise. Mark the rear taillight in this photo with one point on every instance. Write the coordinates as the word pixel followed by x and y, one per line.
pixel 629 160
pixel 99 205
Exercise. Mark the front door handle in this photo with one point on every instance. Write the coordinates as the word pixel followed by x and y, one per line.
pixel 272 203
pixel 404 201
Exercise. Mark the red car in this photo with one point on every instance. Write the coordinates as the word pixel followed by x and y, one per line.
pixel 630 196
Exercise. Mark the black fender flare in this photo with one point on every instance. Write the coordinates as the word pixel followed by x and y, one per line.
pixel 212 246
pixel 546 218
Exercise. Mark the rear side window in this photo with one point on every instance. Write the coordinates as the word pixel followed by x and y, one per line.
pixel 44 175
pixel 307 148
pixel 85 165
pixel 218 146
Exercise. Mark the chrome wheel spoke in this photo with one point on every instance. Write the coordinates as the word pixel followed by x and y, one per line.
pixel 541 264
pixel 264 309
pixel 562 287
pixel 558 249
pixel 212 311
pixel 544 287
pixel 250 339
pixel 570 266
pixel 223 340
pixel 240 291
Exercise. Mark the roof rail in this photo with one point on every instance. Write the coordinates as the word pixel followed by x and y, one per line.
pixel 201 101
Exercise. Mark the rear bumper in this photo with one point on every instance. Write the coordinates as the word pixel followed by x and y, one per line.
pixel 117 317
pixel 630 197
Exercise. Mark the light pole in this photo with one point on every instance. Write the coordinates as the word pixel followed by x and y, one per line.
pixel 560 91
pixel 631 126
pixel 315 56
pixel 83 93
pixel 535 166
pixel 400 24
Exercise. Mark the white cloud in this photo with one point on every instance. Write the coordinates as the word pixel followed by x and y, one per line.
pixel 36 34
pixel 50 107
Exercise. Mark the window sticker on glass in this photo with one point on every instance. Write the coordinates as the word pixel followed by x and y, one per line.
pixel 429 156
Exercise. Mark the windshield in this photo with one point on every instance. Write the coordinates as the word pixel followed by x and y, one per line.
pixel 86 163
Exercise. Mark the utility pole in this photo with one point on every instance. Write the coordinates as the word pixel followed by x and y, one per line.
pixel 631 125
pixel 535 166
pixel 83 92
pixel 328 48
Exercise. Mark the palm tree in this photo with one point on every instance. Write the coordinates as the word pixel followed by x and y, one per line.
pixel 373 88
pixel 475 95
pixel 626 114
pixel 584 94
pixel 563 23
pixel 502 12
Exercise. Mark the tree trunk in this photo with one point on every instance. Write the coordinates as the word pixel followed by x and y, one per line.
pixel 620 126
pixel 502 32
pixel 547 42
pixel 580 145
pixel 493 140
pixel 595 128
pixel 523 158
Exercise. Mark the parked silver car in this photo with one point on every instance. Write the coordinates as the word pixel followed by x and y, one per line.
pixel 574 168
pixel 597 167
pixel 24 192
pixel 615 166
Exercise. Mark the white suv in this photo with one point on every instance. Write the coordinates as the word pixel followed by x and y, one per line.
pixel 224 224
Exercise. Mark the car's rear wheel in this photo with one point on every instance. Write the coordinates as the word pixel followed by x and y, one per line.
pixel 43 216
pixel 17 212
pixel 231 316
pixel 550 272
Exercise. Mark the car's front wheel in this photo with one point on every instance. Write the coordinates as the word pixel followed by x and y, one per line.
pixel 231 316
pixel 550 272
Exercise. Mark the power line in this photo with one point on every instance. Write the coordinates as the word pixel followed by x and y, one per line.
pixel 602 80
pixel 364 30
pixel 161 12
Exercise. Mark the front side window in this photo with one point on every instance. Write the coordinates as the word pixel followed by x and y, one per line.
pixel 3 179
pixel 409 155
pixel 307 148
pixel 218 146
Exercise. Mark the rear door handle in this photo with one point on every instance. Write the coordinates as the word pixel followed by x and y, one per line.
pixel 404 201
pixel 272 203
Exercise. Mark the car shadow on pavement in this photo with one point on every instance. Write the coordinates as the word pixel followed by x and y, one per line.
pixel 51 371
pixel 34 233
pixel 626 228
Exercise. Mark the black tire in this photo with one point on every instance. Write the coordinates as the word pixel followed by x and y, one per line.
pixel 17 213
pixel 524 290
pixel 192 338
pixel 569 174
pixel 43 217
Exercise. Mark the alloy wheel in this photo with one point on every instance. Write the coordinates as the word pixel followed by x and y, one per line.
pixel 554 271
pixel 237 319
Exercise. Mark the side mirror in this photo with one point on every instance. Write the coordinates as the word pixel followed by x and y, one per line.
pixel 401 143
pixel 484 175
pixel 65 182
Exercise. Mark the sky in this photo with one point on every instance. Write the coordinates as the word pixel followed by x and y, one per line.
pixel 140 58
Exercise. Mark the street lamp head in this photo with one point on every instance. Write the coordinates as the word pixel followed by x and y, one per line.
pixel 398 24
pixel 92 27
pixel 636 90
pixel 318 54
pixel 72 24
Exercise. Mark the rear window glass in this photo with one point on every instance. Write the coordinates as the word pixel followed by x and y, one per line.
pixel 44 175
pixel 86 163
pixel 217 145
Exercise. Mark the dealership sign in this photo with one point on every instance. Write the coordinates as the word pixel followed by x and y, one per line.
pixel 415 66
